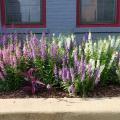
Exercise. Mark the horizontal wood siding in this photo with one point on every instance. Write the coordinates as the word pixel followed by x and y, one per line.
pixel 61 17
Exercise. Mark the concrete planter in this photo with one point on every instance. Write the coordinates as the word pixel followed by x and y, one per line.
pixel 60 109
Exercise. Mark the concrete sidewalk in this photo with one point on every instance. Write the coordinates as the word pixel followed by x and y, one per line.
pixel 60 109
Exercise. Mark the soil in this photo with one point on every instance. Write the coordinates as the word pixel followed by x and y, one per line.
pixel 108 91
pixel 99 92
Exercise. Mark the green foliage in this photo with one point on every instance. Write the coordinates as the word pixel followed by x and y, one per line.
pixel 13 80
pixel 60 61
pixel 104 52
pixel 45 70
pixel 83 88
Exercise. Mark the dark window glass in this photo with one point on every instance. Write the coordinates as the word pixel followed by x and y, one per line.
pixel 97 11
pixel 23 11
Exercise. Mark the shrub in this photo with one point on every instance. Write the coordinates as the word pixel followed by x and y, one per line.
pixel 118 68
pixel 59 62
pixel 10 75
pixel 104 52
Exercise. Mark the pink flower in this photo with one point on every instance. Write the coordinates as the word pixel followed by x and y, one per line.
pixel 14 61
pixel 32 50
pixel 54 50
pixel 75 55
pixel 90 70
pixel 5 56
pixel 10 48
pixel 64 74
pixel 25 51
pixel 2 67
pixel 43 47
pixel 68 75
pixel 60 73
pixel 72 74
pixel 35 41
pixel 18 53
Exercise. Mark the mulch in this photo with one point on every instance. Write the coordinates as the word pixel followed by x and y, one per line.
pixel 107 91
pixel 99 92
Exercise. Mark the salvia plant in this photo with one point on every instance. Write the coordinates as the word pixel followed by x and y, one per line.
pixel 58 62
pixel 118 67
pixel 104 52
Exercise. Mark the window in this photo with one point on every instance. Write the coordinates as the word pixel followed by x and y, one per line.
pixel 23 13
pixel 97 12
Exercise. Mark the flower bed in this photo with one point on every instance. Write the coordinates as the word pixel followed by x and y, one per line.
pixel 58 64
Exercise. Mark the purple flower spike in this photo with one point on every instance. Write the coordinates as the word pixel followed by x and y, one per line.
pixel 64 60
pixel 86 37
pixel 75 57
pixel 60 73
pixel 64 74
pixel 4 39
pixel 67 56
pixel 72 74
pixel 68 75
pixel 35 41
pixel 43 47
pixel 55 72
pixel 25 52
pixel 18 53
pixel 32 50
pixel 1 65
pixel 90 70
pixel 54 50
pixel 80 65
pixel 14 61
pixel 15 38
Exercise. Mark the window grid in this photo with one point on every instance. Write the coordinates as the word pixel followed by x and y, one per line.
pixel 5 23
pixel 114 24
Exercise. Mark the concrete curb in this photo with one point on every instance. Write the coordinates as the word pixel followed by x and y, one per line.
pixel 60 109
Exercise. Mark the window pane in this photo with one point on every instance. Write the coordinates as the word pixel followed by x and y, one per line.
pixel 23 11
pixel 97 11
